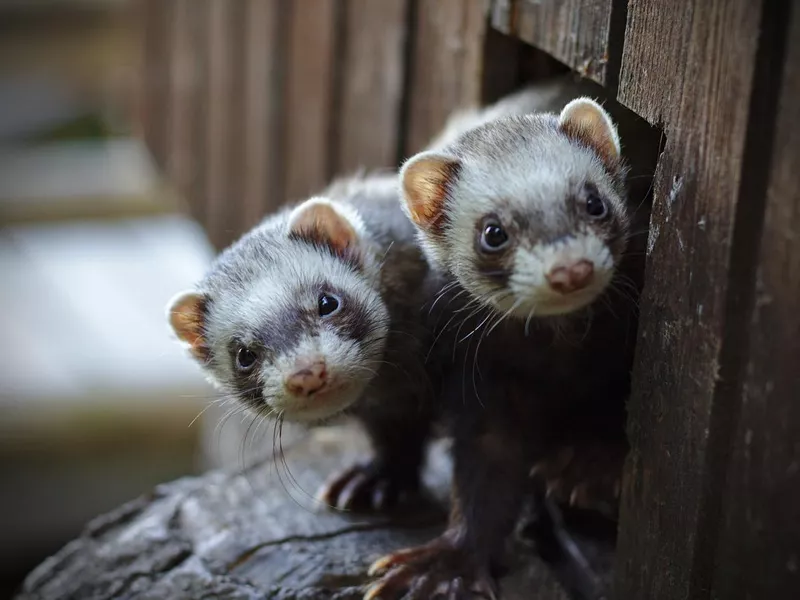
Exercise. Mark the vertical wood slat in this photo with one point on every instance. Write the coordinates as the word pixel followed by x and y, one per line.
pixel 576 32
pixel 154 18
pixel 261 110
pixel 219 205
pixel 758 553
pixel 694 74
pixel 255 102
pixel 184 87
pixel 309 97
pixel 446 65
pixel 368 108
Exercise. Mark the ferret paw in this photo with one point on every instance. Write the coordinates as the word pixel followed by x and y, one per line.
pixel 586 476
pixel 438 569
pixel 366 486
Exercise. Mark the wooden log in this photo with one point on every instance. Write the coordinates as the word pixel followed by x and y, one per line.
pixel 702 70
pixel 255 534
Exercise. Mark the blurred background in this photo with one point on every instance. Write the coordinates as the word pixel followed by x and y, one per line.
pixel 95 398
pixel 137 137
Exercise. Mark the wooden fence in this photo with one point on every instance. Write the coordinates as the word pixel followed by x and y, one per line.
pixel 249 103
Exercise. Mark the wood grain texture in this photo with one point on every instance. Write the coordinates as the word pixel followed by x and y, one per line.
pixel 373 63
pixel 308 97
pixel 183 108
pixel 262 106
pixel 246 533
pixel 219 205
pixel 693 72
pixel 758 553
pixel 576 32
pixel 446 69
pixel 154 17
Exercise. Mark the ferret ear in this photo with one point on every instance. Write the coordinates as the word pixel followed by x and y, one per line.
pixel 426 180
pixel 320 221
pixel 586 121
pixel 186 314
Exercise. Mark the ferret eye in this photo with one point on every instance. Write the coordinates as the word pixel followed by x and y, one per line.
pixel 245 359
pixel 327 304
pixel 493 237
pixel 596 206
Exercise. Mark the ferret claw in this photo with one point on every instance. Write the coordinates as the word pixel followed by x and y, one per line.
pixel 436 570
pixel 363 487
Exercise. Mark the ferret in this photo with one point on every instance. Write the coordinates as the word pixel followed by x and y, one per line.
pixel 527 219
pixel 315 313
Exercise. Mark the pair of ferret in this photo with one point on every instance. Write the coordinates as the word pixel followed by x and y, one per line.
pixel 478 290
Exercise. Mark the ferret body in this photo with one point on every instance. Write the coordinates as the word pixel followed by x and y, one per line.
pixel 527 220
pixel 317 312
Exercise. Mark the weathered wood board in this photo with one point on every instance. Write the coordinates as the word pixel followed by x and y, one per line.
pixel 445 72
pixel 694 75
pixel 758 549
pixel 576 32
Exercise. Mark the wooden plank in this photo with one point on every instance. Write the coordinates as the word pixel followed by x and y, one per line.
pixel 758 554
pixel 154 18
pixel 309 96
pixel 183 105
pixel 262 105
pixel 446 65
pixel 694 74
pixel 576 32
pixel 219 206
pixel 371 82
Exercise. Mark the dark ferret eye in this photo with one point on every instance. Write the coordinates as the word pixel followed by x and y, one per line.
pixel 327 304
pixel 596 206
pixel 245 359
pixel 493 237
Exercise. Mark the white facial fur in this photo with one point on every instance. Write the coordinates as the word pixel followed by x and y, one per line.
pixel 263 294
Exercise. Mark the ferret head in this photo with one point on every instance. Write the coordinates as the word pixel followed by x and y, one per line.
pixel 289 319
pixel 526 212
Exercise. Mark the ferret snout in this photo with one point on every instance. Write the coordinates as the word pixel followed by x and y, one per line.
pixel 566 279
pixel 310 375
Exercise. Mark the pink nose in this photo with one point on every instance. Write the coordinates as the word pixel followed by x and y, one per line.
pixel 567 279
pixel 309 376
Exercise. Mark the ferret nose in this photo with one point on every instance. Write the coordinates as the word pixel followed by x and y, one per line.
pixel 571 278
pixel 310 375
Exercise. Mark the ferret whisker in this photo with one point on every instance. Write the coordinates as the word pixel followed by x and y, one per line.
pixel 478 326
pixel 442 293
pixel 486 332
pixel 609 305
pixel 289 473
pixel 405 333
pixel 200 414
pixel 444 329
pixel 276 451
pixel 474 312
pixel 514 307
pixel 528 320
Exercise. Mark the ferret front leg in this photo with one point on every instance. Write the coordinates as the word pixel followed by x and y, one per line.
pixel 489 488
pixel 391 475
